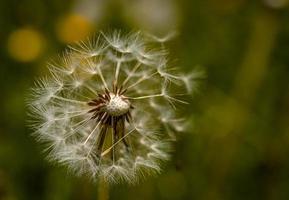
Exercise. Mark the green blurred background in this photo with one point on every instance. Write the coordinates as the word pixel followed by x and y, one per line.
pixel 238 146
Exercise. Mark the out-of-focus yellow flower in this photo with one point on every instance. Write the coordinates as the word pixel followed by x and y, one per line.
pixel 25 44
pixel 73 28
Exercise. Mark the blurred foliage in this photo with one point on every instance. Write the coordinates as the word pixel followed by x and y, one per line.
pixel 238 145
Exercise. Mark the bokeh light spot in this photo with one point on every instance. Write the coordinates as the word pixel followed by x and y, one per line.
pixel 25 44
pixel 276 3
pixel 73 28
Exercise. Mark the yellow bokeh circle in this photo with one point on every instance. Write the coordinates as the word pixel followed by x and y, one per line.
pixel 25 44
pixel 73 28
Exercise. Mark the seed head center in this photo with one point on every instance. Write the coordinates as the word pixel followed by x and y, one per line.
pixel 117 105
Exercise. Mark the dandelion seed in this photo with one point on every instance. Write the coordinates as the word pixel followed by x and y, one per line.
pixel 108 109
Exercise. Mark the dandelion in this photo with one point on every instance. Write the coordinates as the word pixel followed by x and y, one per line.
pixel 108 108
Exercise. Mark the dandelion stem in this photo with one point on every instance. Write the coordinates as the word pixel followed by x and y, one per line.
pixel 103 189
pixel 113 135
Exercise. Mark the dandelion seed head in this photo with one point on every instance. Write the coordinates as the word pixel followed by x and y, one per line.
pixel 117 106
pixel 108 107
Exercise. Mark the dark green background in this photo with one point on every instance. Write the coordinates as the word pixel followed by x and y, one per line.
pixel 238 146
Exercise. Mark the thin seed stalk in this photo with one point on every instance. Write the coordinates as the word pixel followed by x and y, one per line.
pixel 103 190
